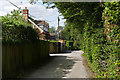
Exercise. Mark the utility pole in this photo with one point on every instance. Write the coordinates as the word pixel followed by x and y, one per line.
pixel 58 27
pixel 61 32
pixel 100 3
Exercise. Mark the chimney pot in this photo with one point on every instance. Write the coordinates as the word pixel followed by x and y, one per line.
pixel 25 13
pixel 25 7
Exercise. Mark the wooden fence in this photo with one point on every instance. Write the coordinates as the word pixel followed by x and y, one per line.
pixel 20 56
pixel 17 57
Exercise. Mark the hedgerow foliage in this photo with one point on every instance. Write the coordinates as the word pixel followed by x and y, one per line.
pixel 95 28
pixel 16 29
pixel 111 19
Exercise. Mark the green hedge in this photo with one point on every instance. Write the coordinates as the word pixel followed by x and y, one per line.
pixel 16 29
pixel 101 43
pixel 69 44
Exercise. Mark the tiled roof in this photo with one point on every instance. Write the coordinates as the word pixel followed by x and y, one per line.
pixel 41 22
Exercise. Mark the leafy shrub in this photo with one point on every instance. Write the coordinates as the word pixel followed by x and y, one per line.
pixel 112 47
pixel 69 44
pixel 16 29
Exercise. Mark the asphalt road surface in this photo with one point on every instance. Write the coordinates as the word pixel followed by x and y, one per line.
pixel 63 65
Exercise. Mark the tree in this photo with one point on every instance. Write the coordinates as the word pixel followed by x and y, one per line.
pixel 52 30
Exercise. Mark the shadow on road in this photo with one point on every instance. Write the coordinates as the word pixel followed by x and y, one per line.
pixel 58 66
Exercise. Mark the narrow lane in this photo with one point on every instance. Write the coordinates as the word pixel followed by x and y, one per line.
pixel 63 65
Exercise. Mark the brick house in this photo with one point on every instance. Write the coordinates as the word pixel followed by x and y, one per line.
pixel 39 25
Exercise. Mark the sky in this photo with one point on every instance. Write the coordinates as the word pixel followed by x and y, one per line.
pixel 37 10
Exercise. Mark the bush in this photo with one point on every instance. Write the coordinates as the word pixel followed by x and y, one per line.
pixel 16 29
pixel 102 43
pixel 69 44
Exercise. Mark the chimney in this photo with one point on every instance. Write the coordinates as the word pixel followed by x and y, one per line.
pixel 44 23
pixel 25 14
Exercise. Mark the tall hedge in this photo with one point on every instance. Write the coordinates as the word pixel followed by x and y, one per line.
pixel 16 29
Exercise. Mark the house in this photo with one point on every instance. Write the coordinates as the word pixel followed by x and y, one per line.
pixel 42 24
pixel 39 25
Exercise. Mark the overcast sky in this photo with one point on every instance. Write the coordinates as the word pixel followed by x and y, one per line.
pixel 38 10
